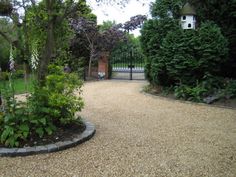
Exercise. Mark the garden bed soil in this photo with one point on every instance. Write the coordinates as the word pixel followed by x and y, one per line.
pixel 61 134
pixel 228 103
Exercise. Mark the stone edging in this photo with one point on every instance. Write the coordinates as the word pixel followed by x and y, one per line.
pixel 58 146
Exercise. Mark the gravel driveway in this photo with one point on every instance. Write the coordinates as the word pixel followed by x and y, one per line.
pixel 140 136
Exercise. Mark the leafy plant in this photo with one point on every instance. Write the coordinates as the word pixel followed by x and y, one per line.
pixel 13 124
pixel 19 74
pixel 4 76
pixel 51 106
pixel 56 100
pixel 229 90
pixel 190 93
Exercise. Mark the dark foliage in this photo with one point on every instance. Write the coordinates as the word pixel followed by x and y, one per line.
pixel 188 61
pixel 153 33
pixel 223 13
pixel 134 22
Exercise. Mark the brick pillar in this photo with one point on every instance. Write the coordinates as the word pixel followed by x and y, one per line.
pixel 103 66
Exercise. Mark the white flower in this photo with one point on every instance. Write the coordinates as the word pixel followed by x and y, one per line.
pixel 34 57
pixel 11 60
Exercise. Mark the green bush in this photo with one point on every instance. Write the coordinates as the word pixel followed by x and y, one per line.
pixel 153 33
pixel 186 56
pixel 17 121
pixel 51 106
pixel 19 74
pixel 211 87
pixel 4 76
pixel 191 93
pixel 56 100
pixel 229 90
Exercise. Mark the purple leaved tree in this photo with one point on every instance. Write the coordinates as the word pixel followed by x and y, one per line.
pixel 97 41
pixel 134 22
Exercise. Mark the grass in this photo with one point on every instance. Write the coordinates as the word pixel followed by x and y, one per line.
pixel 19 85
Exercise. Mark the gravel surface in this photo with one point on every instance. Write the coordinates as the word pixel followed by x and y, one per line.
pixel 140 136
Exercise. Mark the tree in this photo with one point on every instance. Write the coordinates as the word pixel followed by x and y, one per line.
pixel 159 36
pixel 55 13
pixel 166 8
pixel 89 30
pixel 97 41
pixel 63 10
pixel 53 16
pixel 106 25
pixel 185 57
pixel 5 46
pixel 153 33
pixel 223 13
pixel 15 36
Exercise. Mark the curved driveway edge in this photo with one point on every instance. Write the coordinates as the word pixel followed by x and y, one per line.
pixel 87 134
pixel 142 91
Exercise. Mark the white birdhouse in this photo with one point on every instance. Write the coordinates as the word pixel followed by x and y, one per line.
pixel 188 17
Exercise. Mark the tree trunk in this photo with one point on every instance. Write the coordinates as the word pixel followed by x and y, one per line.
pixel 89 68
pixel 90 59
pixel 49 45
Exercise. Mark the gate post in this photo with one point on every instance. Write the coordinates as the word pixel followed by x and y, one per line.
pixel 103 66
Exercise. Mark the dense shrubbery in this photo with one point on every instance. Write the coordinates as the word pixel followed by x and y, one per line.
pixel 49 107
pixel 4 76
pixel 19 74
pixel 56 99
pixel 186 56
pixel 188 62
pixel 153 33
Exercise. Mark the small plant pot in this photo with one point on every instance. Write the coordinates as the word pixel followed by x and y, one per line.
pixel 5 8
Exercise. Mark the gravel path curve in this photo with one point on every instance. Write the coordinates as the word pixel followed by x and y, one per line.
pixel 140 136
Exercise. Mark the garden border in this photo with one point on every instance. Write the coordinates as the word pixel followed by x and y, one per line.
pixel 87 134
pixel 142 91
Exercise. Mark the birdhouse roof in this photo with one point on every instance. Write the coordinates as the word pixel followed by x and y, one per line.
pixel 188 10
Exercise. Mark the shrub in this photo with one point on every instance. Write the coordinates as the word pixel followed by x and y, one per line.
pixel 19 74
pixel 191 93
pixel 4 76
pixel 186 56
pixel 51 106
pixel 230 89
pixel 56 100
pixel 17 123
pixel 153 33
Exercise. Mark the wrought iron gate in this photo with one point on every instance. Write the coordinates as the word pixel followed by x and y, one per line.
pixel 127 65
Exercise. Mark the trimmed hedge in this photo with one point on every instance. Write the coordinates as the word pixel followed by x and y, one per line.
pixel 186 56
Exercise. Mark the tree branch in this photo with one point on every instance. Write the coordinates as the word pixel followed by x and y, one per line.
pixel 68 11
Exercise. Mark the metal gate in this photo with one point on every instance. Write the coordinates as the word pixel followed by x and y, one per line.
pixel 128 65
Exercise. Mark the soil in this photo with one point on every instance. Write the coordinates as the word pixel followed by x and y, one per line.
pixel 61 134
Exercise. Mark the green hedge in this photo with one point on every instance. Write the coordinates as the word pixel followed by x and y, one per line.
pixel 186 56
pixel 153 33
